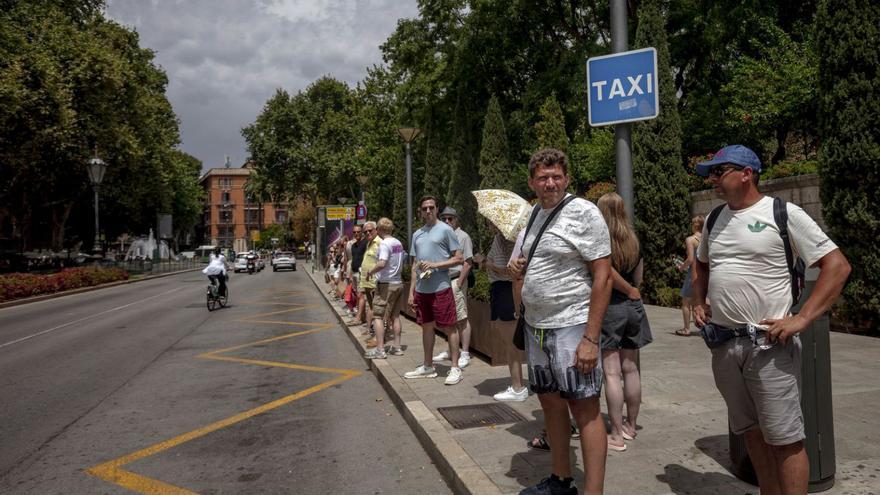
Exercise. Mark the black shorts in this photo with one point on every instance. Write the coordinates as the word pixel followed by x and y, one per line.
pixel 501 301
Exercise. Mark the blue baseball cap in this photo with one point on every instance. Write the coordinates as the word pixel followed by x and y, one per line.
pixel 735 154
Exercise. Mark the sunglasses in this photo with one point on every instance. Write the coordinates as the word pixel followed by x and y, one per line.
pixel 447 219
pixel 722 170
pixel 367 231
pixel 428 208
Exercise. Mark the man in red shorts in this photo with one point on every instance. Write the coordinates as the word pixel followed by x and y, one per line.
pixel 434 250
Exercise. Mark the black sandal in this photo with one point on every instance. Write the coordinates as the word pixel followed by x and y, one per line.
pixel 539 443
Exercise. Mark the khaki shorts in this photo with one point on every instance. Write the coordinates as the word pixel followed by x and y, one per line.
pixel 368 294
pixel 761 387
pixel 386 301
pixel 460 294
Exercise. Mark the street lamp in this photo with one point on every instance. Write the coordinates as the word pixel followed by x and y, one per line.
pixel 408 134
pixel 96 169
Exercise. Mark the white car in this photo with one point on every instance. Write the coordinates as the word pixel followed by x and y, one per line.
pixel 284 261
pixel 240 264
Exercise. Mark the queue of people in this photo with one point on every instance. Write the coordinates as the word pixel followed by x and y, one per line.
pixel 570 285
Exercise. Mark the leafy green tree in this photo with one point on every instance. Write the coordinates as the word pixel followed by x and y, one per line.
pixel 662 202
pixel 73 82
pixel 591 157
pixel 774 94
pixel 848 40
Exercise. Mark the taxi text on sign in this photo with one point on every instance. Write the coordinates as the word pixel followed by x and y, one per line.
pixel 623 87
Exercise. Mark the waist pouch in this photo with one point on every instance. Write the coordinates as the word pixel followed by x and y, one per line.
pixel 715 335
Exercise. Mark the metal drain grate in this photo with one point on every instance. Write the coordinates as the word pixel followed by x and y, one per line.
pixel 462 417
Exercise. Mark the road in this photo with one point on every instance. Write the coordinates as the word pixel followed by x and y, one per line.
pixel 140 388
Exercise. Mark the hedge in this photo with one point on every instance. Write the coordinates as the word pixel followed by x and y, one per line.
pixel 20 285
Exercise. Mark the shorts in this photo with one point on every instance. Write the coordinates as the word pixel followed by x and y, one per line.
pixel 355 282
pixel 438 307
pixel 551 357
pixel 460 294
pixel 761 387
pixel 368 297
pixel 501 301
pixel 626 326
pixel 386 300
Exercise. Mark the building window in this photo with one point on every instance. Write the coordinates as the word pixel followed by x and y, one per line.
pixel 224 182
pixel 224 197
pixel 281 217
pixel 252 216
pixel 226 216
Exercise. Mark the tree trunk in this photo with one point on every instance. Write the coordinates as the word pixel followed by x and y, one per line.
pixel 781 137
pixel 60 214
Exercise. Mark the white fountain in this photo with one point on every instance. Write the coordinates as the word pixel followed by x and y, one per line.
pixel 142 248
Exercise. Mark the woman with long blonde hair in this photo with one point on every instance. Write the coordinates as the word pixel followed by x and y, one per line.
pixel 625 329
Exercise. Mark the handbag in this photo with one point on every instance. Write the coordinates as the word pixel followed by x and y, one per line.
pixel 519 335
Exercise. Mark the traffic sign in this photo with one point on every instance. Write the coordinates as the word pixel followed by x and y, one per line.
pixel 361 213
pixel 622 87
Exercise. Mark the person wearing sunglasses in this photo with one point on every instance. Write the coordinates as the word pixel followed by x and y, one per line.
pixel 743 269
pixel 434 250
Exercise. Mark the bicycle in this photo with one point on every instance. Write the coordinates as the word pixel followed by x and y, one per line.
pixel 214 298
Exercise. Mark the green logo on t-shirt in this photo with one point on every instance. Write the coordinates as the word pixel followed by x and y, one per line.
pixel 758 227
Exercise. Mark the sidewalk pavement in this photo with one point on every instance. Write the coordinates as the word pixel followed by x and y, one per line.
pixel 682 446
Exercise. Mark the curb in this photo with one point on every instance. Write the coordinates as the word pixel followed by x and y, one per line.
pixel 54 295
pixel 461 472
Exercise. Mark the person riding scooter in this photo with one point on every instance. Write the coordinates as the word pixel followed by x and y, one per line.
pixel 251 264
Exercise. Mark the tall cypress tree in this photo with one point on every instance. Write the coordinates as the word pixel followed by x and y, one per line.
pixel 495 168
pixel 463 176
pixel 662 201
pixel 848 40
pixel 494 154
pixel 550 130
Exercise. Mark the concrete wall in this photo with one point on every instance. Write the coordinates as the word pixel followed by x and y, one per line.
pixel 802 190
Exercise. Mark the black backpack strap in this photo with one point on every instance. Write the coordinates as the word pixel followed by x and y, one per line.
pixel 713 216
pixel 780 216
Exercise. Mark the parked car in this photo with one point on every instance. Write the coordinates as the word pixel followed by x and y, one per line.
pixel 284 261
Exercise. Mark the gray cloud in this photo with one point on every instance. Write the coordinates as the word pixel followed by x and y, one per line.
pixel 225 58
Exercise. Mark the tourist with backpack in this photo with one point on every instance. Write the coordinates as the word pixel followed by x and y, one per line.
pixel 750 265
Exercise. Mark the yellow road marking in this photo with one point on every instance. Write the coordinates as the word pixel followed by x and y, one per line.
pixel 113 472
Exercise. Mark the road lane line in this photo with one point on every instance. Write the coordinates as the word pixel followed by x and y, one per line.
pixel 59 327
pixel 113 472
pixel 323 326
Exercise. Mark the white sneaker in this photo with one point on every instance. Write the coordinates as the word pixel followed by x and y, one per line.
pixel 443 356
pixel 375 353
pixel 512 395
pixel 453 377
pixel 464 359
pixel 421 372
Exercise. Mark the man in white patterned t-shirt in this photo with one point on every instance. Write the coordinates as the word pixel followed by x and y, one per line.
pixel 566 289
pixel 743 269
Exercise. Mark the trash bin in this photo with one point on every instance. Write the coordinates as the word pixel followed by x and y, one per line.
pixel 816 405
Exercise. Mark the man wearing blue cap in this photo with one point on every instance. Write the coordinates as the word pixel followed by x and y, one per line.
pixel 746 268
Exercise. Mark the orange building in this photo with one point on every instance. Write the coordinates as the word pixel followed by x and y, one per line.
pixel 230 216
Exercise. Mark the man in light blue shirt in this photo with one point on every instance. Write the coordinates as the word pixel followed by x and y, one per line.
pixel 434 250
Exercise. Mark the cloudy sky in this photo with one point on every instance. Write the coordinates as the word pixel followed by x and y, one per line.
pixel 225 58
